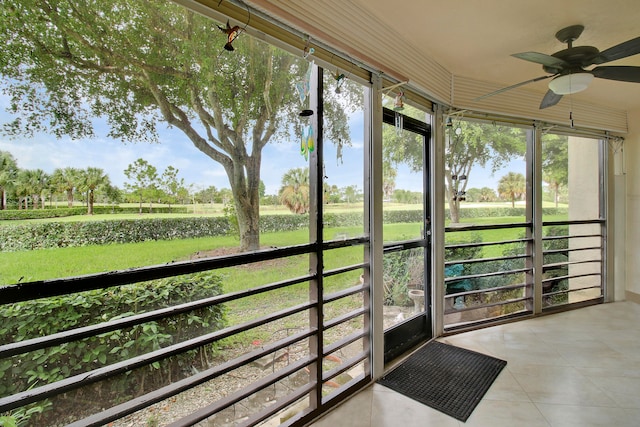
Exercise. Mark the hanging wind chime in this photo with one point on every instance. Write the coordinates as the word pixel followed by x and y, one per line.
pixel 307 139
pixel 398 105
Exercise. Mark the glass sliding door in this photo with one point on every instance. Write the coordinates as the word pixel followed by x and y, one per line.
pixel 406 232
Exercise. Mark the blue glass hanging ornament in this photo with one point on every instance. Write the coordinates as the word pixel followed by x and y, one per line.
pixel 311 141
pixel 304 89
pixel 307 142
pixel 304 151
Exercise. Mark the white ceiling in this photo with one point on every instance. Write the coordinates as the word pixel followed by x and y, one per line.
pixel 475 38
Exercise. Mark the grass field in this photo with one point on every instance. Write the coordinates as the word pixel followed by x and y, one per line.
pixel 65 262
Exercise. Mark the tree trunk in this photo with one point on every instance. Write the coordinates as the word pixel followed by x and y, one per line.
pixel 70 198
pixel 90 204
pixel 454 210
pixel 246 196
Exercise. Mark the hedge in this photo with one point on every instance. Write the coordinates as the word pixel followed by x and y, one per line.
pixel 41 317
pixel 82 210
pixel 53 234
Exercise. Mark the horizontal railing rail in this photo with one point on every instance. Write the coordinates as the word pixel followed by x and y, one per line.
pixel 57 287
pixel 34 395
pixel 482 244
pixel 573 222
pixel 483 275
pixel 473 227
pixel 141 402
pixel 567 291
pixel 89 331
pixel 486 290
pixel 491 259
pixel 207 411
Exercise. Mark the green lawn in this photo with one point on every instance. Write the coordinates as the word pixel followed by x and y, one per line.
pixel 65 262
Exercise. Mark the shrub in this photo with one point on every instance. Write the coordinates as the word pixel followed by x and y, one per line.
pixel 46 316
pixel 402 271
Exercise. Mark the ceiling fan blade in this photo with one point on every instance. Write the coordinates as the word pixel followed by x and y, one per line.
pixel 628 48
pixel 504 89
pixel 622 73
pixel 541 58
pixel 550 99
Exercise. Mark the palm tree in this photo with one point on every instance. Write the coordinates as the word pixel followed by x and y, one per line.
pixel 66 180
pixel 512 186
pixel 8 174
pixel 91 179
pixel 39 184
pixel 24 187
pixel 294 193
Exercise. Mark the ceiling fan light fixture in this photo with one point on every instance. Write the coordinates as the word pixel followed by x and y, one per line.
pixel 570 83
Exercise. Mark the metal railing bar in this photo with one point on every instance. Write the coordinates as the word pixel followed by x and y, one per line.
pixel 492 274
pixel 575 222
pixel 570 290
pixel 344 367
pixel 345 341
pixel 493 304
pixel 345 317
pixel 343 243
pixel 15 348
pixel 85 378
pixel 209 410
pixel 480 244
pixel 572 276
pixel 346 269
pixel 500 258
pixel 576 236
pixel 345 389
pixel 470 325
pixel 557 251
pixel 274 409
pixel 168 391
pixel 573 305
pixel 483 291
pixel 403 245
pixel 69 285
pixel 487 227
pixel 345 293
pixel 555 265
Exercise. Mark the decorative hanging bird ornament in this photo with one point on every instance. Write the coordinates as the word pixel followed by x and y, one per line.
pixel 339 78
pixel 232 33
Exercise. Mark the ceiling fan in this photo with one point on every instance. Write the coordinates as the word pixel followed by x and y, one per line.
pixel 567 68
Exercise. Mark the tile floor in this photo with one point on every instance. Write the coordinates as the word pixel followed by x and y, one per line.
pixel 577 368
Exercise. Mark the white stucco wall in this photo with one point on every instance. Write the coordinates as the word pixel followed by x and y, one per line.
pixel 632 223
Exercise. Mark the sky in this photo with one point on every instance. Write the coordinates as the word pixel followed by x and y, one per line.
pixel 47 152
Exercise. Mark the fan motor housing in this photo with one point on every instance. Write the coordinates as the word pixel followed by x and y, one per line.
pixel 576 57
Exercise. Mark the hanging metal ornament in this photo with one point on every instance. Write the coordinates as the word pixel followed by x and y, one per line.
pixel 339 159
pixel 232 33
pixel 339 78
pixel 398 105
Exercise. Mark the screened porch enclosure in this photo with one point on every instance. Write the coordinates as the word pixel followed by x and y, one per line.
pixel 369 239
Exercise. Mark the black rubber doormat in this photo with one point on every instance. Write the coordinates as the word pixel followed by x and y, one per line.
pixel 450 379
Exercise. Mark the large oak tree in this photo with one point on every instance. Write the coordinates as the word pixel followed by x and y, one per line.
pixel 139 63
